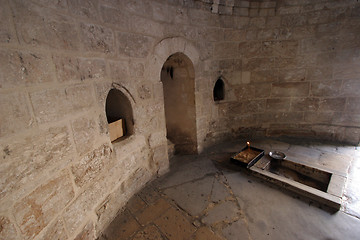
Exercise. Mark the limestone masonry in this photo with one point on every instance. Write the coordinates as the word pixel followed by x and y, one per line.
pixel 289 68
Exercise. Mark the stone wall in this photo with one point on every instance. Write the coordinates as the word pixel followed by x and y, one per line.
pixel 290 67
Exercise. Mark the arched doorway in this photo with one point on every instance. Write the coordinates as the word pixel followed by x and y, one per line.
pixel 178 78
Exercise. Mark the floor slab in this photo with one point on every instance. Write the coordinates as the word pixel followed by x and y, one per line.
pixel 207 197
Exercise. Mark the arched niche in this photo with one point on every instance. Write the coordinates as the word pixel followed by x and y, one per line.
pixel 219 90
pixel 119 114
pixel 178 78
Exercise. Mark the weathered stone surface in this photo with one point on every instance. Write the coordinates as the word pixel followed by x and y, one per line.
pixel 123 225
pixel 236 230
pixel 7 34
pixel 15 114
pixel 35 211
pixel 91 166
pixel 227 212
pixel 205 233
pixel 332 104
pixel 84 132
pixel 277 104
pixel 150 233
pixel 296 89
pixel 112 15
pixel 353 105
pixel 92 69
pixel 199 191
pixel 350 88
pixel 54 230
pixel 7 229
pixel 318 117
pixel 264 76
pixel 326 89
pixel 53 104
pixel 24 69
pixel 67 68
pixel 174 225
pixel 153 211
pixel 133 45
pixel 292 75
pixel 88 233
pixel 38 26
pixel 304 104
pixel 27 161
pixel 85 9
pixel 97 38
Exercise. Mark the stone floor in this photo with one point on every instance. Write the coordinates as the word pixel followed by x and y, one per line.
pixel 206 197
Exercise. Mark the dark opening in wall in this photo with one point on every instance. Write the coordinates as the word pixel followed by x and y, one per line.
pixel 119 115
pixel 219 91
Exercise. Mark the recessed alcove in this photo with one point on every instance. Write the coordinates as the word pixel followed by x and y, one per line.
pixel 119 107
pixel 178 78
pixel 219 90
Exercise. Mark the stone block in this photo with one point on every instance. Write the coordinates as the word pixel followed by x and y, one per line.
pixel 84 132
pixel 7 33
pixel 277 104
pixel 264 76
pixel 114 16
pixel 346 119
pixel 7 229
pixel 280 117
pixel 319 73
pixel 350 88
pixel 318 117
pixel 292 75
pixel 92 68
pixel 226 49
pixel 293 20
pixel 352 135
pixel 136 68
pixel 257 22
pixel 240 11
pixel 240 3
pixel 88 233
pixel 347 71
pixel 54 104
pixel 55 230
pixel 96 38
pixel 29 160
pixel 332 104
pixel 253 106
pixel 304 104
pixel 134 45
pixel 235 35
pixel 280 48
pixel 107 211
pixel 262 90
pixel 91 166
pixel 253 12
pixel 142 25
pixel 84 9
pixel 174 225
pixel 288 10
pixel 149 232
pixel 67 69
pixel 35 211
pixel 326 88
pixel 160 161
pixel 251 49
pixel 256 64
pixel 292 89
pixel 24 69
pixel 39 26
pixel 161 12
pixel 139 7
pixel 15 113
pixel 353 105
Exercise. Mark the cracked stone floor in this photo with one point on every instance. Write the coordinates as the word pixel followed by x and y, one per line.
pixel 206 197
